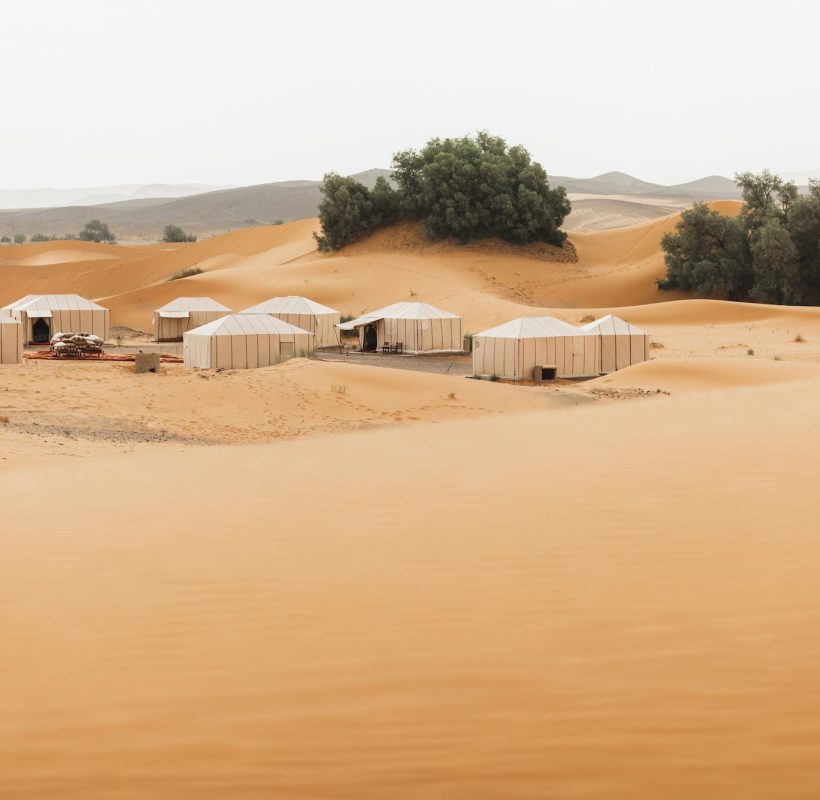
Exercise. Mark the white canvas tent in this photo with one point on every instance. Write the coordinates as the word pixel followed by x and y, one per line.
pixel 620 344
pixel 419 327
pixel 244 341
pixel 185 313
pixel 43 315
pixel 513 350
pixel 11 340
pixel 303 313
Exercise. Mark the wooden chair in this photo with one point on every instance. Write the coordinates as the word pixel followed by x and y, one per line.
pixel 399 349
pixel 385 348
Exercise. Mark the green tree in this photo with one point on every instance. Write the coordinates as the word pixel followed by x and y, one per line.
pixel 804 228
pixel 19 238
pixel 386 203
pixel 707 255
pixel 477 187
pixel 96 231
pixel 173 233
pixel 41 237
pixel 346 212
pixel 5 239
pixel 776 269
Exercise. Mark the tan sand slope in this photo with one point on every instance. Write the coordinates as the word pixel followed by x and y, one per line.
pixel 73 410
pixel 698 374
pixel 487 284
pixel 504 611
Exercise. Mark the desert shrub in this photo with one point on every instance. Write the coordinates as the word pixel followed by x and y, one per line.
pixel 468 188
pixel 19 238
pixel 346 212
pixel 173 233
pixel 96 231
pixel 338 388
pixel 279 222
pixel 5 239
pixel 4 420
pixel 185 273
pixel 770 253
pixel 799 338
pixel 41 237
pixel 476 187
pixel 750 352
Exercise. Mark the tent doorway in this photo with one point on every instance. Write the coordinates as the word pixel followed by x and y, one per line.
pixel 370 338
pixel 40 331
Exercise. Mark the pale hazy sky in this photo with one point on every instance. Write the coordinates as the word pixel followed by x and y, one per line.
pixel 244 92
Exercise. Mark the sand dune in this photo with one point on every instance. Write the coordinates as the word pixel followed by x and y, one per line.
pixel 698 374
pixel 504 611
pixel 328 580
pixel 77 410
pixel 487 283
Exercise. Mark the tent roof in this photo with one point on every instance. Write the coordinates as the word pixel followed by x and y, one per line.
pixel 533 328
pixel 290 305
pixel 246 324
pixel 400 311
pixel 610 324
pixel 5 319
pixel 34 304
pixel 187 304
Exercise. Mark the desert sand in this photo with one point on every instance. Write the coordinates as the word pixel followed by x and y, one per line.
pixel 329 580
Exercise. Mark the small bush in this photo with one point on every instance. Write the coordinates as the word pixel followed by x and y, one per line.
pixel 96 231
pixel 41 237
pixel 5 239
pixel 338 388
pixel 413 294
pixel 279 222
pixel 493 377
pixel 451 396
pixel 585 319
pixel 777 358
pixel 750 352
pixel 175 234
pixel 185 273
pixel 799 338
pixel 4 420
pixel 19 238
pixel 656 345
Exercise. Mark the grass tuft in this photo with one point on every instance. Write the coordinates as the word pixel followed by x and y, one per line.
pixel 338 388
pixel 185 273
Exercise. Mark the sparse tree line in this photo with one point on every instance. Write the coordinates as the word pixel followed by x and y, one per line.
pixel 96 231
pixel 770 253
pixel 468 188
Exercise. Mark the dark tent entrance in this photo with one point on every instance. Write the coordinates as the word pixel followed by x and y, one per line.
pixel 370 338
pixel 41 331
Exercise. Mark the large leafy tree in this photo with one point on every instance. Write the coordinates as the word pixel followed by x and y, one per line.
pixel 770 253
pixel 707 255
pixel 477 187
pixel 466 188
pixel 346 212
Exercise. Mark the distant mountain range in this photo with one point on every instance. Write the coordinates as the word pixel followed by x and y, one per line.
pixel 712 187
pixel 143 211
pixel 97 195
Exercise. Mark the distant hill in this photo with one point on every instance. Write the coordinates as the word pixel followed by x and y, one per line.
pixel 619 183
pixel 226 209
pixel 95 195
